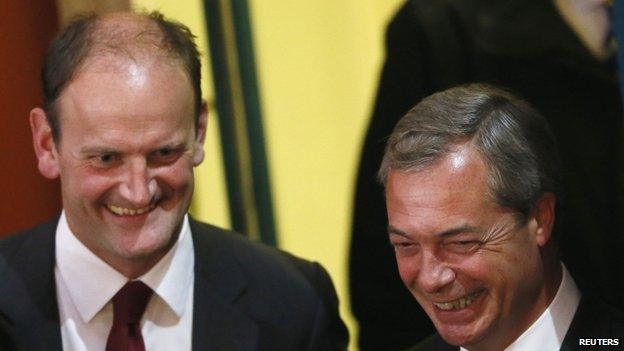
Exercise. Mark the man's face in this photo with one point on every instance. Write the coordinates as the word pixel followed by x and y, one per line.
pixel 126 154
pixel 476 272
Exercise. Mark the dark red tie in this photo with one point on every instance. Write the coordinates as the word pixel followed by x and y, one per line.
pixel 128 306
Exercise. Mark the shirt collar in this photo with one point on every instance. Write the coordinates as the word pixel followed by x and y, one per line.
pixel 92 283
pixel 172 277
pixel 548 331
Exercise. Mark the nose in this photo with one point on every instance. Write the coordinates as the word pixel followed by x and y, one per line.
pixel 136 187
pixel 433 274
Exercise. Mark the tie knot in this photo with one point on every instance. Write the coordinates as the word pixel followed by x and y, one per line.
pixel 129 303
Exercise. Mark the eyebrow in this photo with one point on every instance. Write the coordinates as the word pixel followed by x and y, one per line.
pixel 445 234
pixel 173 145
pixel 97 150
pixel 105 149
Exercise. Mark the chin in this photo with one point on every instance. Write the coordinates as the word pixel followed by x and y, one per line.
pixel 461 335
pixel 457 339
pixel 144 246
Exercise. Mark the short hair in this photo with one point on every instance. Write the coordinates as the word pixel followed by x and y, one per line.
pixel 514 140
pixel 78 41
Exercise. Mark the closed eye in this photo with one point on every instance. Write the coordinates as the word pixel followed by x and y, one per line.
pixel 105 160
pixel 402 245
pixel 462 246
pixel 464 242
pixel 165 155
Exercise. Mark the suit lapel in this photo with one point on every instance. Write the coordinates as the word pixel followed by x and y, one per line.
pixel 218 324
pixel 593 318
pixel 570 340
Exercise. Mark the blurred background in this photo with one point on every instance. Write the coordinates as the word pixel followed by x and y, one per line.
pixel 296 80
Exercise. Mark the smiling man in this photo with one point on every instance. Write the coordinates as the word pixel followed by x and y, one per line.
pixel 471 178
pixel 124 267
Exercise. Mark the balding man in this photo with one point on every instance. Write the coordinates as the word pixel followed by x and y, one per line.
pixel 471 176
pixel 124 267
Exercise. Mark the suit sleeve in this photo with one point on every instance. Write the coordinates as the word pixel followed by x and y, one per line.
pixel 328 331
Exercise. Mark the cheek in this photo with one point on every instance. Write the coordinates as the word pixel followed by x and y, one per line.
pixel 84 185
pixel 495 271
pixel 178 177
pixel 476 270
pixel 408 271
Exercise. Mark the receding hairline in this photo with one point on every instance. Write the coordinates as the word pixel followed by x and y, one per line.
pixel 129 35
pixel 453 145
pixel 121 37
pixel 462 150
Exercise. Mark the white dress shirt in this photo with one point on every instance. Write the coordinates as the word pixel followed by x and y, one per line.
pixel 548 331
pixel 85 286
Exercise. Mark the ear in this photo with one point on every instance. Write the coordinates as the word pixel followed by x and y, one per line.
pixel 200 135
pixel 544 214
pixel 45 148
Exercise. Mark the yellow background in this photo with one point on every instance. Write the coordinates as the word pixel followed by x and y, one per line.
pixel 318 63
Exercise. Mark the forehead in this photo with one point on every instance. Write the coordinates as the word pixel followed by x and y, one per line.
pixel 111 96
pixel 461 173
pixel 107 86
pixel 451 192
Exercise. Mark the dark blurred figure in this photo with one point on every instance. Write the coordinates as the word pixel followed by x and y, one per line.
pixel 557 56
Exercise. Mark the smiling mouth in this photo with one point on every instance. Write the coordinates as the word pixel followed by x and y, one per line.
pixel 122 211
pixel 459 303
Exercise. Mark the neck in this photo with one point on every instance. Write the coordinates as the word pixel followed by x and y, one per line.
pixel 553 274
pixel 136 266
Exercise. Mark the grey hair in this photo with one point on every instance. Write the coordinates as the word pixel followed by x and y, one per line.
pixel 512 137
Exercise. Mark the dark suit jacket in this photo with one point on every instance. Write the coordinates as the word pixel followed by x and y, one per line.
pixel 247 296
pixel 594 319
pixel 526 46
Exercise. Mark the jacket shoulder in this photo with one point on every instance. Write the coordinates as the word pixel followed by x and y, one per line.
pixel 38 237
pixel 244 249
pixel 278 285
pixel 594 318
pixel 27 288
pixel 262 265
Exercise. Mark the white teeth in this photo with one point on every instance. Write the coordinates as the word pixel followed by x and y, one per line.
pixel 457 304
pixel 121 211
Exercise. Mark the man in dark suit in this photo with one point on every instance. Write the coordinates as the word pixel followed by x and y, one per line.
pixel 124 267
pixel 471 179
pixel 552 53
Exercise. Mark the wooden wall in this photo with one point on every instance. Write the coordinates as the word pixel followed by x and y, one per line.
pixel 26 27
